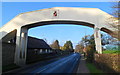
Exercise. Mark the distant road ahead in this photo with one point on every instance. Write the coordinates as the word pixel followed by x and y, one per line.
pixel 66 64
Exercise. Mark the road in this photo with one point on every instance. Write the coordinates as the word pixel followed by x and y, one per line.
pixel 66 64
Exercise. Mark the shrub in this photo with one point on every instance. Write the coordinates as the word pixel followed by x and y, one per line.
pixel 90 53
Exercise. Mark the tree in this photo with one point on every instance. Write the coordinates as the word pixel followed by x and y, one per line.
pixel 88 40
pixel 79 48
pixel 68 46
pixel 114 21
pixel 89 46
pixel 62 47
pixel 88 43
pixel 107 39
pixel 116 10
pixel 55 45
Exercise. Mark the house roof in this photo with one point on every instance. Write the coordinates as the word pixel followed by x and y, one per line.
pixel 37 43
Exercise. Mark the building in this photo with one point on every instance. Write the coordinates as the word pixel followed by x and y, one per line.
pixel 38 45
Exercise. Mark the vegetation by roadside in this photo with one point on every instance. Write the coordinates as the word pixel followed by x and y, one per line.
pixel 92 68
pixel 109 63
pixel 111 51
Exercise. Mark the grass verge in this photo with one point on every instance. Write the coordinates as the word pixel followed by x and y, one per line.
pixel 111 52
pixel 92 68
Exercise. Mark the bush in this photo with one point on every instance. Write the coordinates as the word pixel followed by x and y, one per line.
pixel 109 63
pixel 90 53
pixel 90 56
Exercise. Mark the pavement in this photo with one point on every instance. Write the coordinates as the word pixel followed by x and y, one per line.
pixel 82 68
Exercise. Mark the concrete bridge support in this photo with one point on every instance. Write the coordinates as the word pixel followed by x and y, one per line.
pixel 97 36
pixel 21 46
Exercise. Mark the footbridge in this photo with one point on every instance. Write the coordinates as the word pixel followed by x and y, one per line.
pixel 19 26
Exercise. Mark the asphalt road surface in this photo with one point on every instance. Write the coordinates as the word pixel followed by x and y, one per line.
pixel 66 64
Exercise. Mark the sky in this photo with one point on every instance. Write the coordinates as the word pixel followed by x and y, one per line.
pixel 58 0
pixel 61 32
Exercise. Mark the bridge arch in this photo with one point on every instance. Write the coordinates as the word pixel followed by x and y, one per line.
pixel 21 47
pixel 91 17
